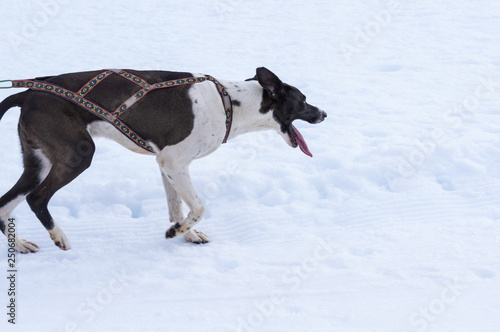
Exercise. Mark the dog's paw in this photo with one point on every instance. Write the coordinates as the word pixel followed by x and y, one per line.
pixel 59 238
pixel 25 247
pixel 196 237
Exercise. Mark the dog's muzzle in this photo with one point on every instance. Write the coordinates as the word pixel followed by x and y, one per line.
pixel 322 116
pixel 319 117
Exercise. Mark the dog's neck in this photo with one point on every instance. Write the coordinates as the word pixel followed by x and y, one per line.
pixel 250 112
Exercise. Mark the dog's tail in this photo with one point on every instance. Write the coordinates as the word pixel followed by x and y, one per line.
pixel 11 101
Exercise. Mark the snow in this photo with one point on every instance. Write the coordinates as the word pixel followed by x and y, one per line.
pixel 394 225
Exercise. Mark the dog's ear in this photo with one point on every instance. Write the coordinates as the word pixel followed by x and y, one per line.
pixel 271 83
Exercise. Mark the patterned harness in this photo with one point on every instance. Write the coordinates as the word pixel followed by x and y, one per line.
pixel 78 98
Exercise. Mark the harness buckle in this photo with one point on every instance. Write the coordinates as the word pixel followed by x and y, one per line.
pixel 5 87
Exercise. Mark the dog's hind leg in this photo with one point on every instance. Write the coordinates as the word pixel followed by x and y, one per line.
pixel 68 161
pixel 176 214
pixel 35 169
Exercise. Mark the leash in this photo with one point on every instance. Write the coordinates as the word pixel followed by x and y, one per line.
pixel 113 118
pixel 5 87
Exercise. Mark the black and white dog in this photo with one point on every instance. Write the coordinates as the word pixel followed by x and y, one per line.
pixel 181 124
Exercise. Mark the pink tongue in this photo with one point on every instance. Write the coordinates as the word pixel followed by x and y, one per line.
pixel 301 142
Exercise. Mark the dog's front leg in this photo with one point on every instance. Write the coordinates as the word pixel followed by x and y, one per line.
pixel 177 177
pixel 174 201
pixel 177 215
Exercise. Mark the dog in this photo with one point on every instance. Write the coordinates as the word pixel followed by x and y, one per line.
pixel 181 124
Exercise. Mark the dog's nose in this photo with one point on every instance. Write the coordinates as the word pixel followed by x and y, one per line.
pixel 323 115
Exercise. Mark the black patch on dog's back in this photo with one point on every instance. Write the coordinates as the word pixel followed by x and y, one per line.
pixel 164 116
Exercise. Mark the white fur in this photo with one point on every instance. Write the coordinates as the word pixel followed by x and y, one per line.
pixel 59 238
pixel 6 211
pixel 246 117
pixel 24 246
pixel 46 165
pixel 196 237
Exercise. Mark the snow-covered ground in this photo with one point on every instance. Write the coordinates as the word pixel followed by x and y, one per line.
pixel 393 226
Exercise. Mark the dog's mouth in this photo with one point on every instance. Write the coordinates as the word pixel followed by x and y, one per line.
pixel 294 138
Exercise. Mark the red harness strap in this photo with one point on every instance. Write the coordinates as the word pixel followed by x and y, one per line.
pixel 93 82
pixel 78 98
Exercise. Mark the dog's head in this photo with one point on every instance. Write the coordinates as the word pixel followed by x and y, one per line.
pixel 287 104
